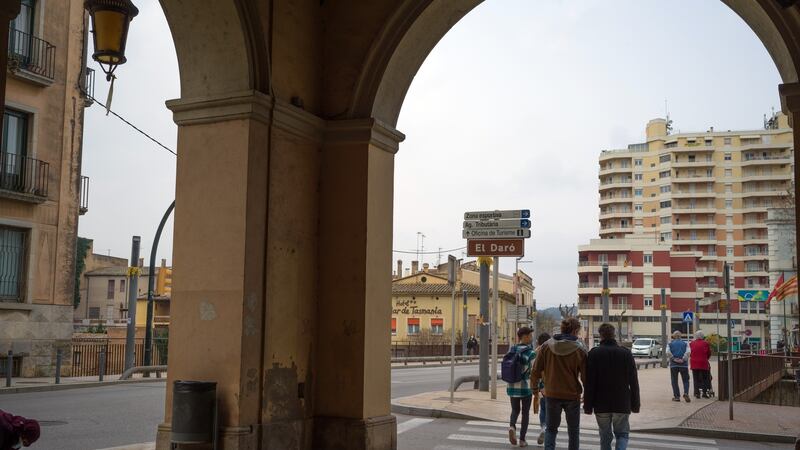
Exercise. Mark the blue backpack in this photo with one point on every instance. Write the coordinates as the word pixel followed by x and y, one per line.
pixel 513 365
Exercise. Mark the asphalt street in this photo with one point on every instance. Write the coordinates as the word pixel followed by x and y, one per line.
pixel 110 416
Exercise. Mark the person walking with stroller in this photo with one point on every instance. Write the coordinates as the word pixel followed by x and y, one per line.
pixel 700 353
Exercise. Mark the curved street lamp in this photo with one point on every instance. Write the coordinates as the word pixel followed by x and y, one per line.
pixel 110 20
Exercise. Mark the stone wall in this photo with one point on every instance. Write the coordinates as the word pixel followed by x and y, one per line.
pixel 36 334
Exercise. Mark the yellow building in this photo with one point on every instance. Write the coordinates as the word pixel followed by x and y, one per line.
pixel 42 192
pixel 422 304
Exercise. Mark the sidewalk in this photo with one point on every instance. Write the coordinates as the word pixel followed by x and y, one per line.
pixel 659 413
pixel 43 384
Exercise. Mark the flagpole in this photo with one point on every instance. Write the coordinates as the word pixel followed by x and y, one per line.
pixel 785 342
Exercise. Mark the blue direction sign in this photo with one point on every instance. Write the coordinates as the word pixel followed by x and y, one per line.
pixel 688 317
pixel 497 233
pixel 497 214
pixel 496 224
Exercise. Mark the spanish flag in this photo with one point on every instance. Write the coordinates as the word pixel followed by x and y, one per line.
pixel 786 289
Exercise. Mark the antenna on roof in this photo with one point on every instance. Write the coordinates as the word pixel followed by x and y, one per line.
pixel 669 121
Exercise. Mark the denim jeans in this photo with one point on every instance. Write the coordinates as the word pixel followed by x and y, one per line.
pixel 621 429
pixel 684 371
pixel 572 409
pixel 543 412
pixel 521 404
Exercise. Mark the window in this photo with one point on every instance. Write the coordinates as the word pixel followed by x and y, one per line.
pixel 24 21
pixel 602 258
pixel 729 221
pixel 727 141
pixel 637 177
pixel 665 189
pixel 710 173
pixel 670 145
pixel 728 156
pixel 729 251
pixel 664 174
pixel 666 219
pixel 94 312
pixel 728 188
pixel 394 326
pixel 13 242
pixel 664 158
pixel 666 236
pixel 110 293
pixel 637 192
pixel 638 222
pixel 728 173
pixel 648 258
pixel 709 142
pixel 666 204
pixel 413 326
pixel 637 208
pixel 729 204
pixel 15 145
pixel 648 301
pixel 437 326
pixel 637 162
pixel 122 285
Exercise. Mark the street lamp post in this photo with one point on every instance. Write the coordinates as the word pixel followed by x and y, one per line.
pixel 148 332
pixel 110 20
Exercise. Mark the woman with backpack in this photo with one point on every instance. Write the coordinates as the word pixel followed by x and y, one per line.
pixel 516 371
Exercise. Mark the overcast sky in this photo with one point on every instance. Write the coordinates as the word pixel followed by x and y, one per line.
pixel 509 111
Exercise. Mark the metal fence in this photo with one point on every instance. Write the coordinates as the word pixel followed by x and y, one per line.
pixel 31 54
pixel 407 349
pixel 752 374
pixel 86 355
pixel 23 174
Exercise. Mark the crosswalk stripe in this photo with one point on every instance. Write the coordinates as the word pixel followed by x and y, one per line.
pixel 674 438
pixel 411 424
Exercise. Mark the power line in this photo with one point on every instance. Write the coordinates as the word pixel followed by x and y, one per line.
pixel 414 252
pixel 133 126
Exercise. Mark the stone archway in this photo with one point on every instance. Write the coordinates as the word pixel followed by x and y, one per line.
pixel 283 231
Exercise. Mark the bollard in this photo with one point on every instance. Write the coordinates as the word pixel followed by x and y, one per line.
pixel 58 366
pixel 102 369
pixel 9 367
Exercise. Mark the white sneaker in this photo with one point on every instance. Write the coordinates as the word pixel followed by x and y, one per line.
pixel 512 435
pixel 523 444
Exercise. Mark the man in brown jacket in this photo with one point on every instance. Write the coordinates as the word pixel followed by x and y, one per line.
pixel 562 364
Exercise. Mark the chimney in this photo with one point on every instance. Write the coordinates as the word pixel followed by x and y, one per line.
pixel 141 262
pixel 425 267
pixel 408 272
pixel 164 262
pixel 414 267
pixel 399 268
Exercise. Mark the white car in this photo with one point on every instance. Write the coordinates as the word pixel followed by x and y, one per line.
pixel 649 348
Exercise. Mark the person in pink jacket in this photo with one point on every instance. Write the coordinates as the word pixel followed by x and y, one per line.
pixel 701 368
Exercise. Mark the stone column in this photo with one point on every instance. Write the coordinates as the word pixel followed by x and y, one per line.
pixel 352 409
pixel 217 303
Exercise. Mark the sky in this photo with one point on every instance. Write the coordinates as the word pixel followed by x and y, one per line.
pixel 510 110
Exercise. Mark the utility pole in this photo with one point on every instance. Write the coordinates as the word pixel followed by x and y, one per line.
pixel 483 372
pixel 727 279
pixel 451 280
pixel 663 327
pixel 464 333
pixel 605 293
pixel 133 287
pixel 495 326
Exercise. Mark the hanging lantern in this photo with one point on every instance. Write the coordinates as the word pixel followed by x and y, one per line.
pixel 110 20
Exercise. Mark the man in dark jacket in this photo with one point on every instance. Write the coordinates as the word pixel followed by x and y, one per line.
pixel 612 388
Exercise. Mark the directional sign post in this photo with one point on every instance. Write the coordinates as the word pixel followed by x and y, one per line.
pixel 499 233
pixel 498 215
pixel 496 247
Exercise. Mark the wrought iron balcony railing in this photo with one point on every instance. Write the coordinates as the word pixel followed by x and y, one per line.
pixel 84 206
pixel 31 54
pixel 24 175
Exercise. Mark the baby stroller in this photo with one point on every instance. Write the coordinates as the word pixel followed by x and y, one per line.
pixel 710 390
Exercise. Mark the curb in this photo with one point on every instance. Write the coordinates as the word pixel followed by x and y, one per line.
pixel 430 412
pixel 67 386
pixel 420 366
pixel 722 434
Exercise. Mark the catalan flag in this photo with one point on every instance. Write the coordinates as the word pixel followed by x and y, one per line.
pixel 786 289
pixel 778 284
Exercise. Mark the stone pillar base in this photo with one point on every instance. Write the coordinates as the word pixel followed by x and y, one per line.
pixel 335 433
pixel 231 438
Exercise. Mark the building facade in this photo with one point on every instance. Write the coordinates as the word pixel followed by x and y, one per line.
pixel 639 267
pixel 784 315
pixel 40 181
pixel 422 303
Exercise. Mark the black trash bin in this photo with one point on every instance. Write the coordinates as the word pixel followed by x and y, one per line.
pixel 193 409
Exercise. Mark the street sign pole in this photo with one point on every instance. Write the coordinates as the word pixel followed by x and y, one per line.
pixel 452 280
pixel 133 291
pixel 663 327
pixel 727 280
pixel 483 362
pixel 495 322
pixel 464 327
pixel 605 293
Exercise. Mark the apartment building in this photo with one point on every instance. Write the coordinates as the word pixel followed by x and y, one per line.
pixel 639 267
pixel 42 192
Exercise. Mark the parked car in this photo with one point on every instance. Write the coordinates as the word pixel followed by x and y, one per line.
pixel 649 348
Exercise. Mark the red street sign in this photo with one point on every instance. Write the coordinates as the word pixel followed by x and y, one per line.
pixel 496 247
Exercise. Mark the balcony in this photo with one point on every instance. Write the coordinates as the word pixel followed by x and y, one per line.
pixel 605 185
pixel 690 164
pixel 692 148
pixel 769 159
pixel 597 266
pixel 84 206
pixel 696 209
pixel 607 200
pixel 596 288
pixel 695 194
pixel 31 58
pixel 693 179
pixel 774 176
pixel 619 213
pixel 606 170
pixel 22 178
pixel 88 87
pixel 695 226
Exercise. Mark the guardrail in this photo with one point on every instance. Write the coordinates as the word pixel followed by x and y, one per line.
pixel 143 369
pixel 433 359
